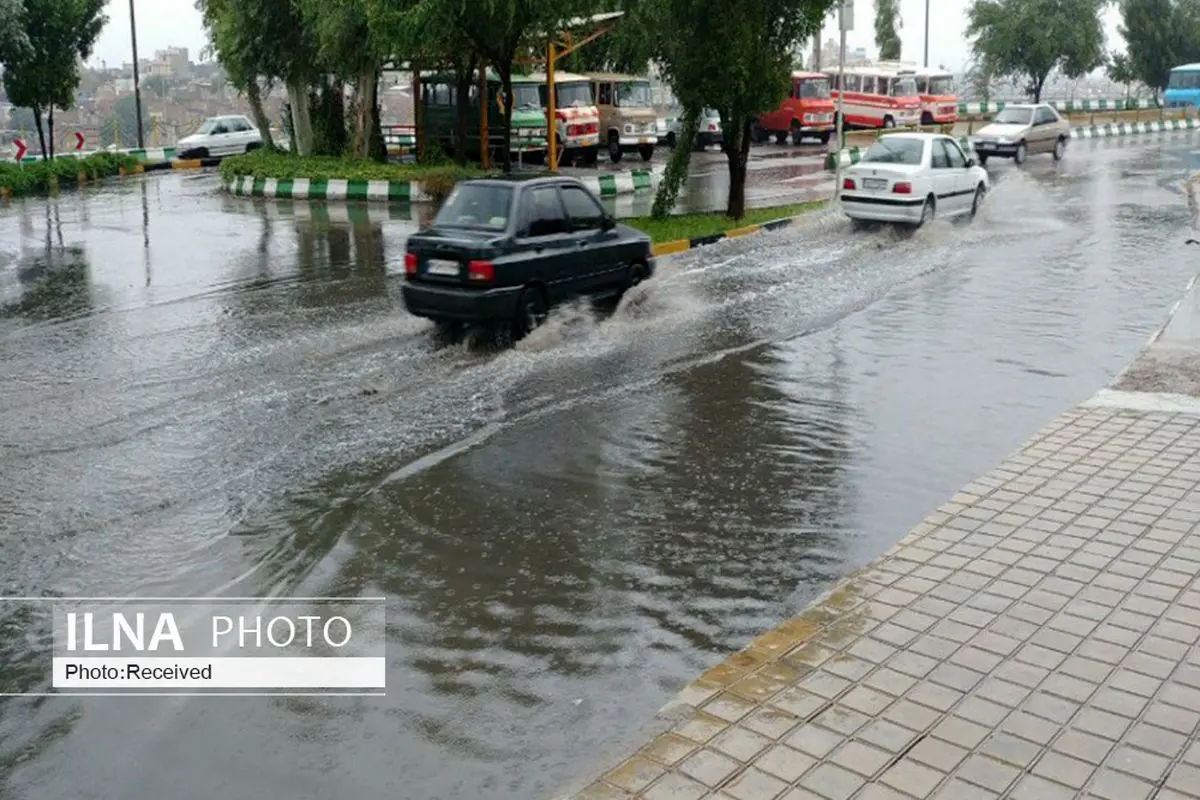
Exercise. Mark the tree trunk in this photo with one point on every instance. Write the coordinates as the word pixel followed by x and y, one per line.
pixel 378 144
pixel 37 118
pixel 463 79
pixel 50 130
pixel 366 91
pixel 738 154
pixel 505 68
pixel 1039 81
pixel 301 118
pixel 254 97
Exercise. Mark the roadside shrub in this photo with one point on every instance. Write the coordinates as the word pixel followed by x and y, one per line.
pixel 437 179
pixel 42 177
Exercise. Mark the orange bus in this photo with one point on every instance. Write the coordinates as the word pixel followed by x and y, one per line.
pixel 939 98
pixel 877 95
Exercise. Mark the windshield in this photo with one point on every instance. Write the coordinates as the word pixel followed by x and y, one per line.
pixel 1014 116
pixel 525 96
pixel 633 95
pixel 894 150
pixel 567 95
pixel 814 89
pixel 475 205
pixel 1184 80
pixel 943 85
pixel 903 87
pixel 710 114
pixel 209 126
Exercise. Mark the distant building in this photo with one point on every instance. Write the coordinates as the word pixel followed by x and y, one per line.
pixel 171 63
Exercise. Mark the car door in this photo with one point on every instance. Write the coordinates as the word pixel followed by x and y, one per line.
pixel 964 180
pixel 218 139
pixel 1045 129
pixel 599 262
pixel 945 183
pixel 545 243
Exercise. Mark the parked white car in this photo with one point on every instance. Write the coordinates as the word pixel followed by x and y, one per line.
pixel 220 136
pixel 910 177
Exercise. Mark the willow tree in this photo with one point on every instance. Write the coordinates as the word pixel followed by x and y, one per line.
pixel 887 29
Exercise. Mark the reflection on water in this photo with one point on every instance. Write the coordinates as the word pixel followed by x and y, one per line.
pixel 568 530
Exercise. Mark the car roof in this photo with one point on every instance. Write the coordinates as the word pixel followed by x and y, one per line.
pixel 560 77
pixel 923 136
pixel 1027 105
pixel 519 179
pixel 614 76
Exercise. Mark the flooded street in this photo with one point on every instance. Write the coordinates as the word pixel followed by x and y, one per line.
pixel 204 395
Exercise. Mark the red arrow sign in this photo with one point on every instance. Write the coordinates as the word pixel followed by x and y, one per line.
pixel 78 140
pixel 20 148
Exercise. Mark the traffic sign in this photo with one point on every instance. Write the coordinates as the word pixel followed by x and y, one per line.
pixel 78 140
pixel 20 148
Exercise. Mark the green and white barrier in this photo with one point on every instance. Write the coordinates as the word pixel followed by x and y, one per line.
pixel 1132 128
pixel 611 184
pixel 1069 106
pixel 151 155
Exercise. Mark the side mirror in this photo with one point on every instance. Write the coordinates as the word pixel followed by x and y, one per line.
pixel 970 162
pixel 608 224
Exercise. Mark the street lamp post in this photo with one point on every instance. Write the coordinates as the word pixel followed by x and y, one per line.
pixel 845 23
pixel 927 33
pixel 137 91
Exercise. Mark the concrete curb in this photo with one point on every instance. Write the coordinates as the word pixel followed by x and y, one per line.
pixel 1070 106
pixel 605 185
pixel 683 245
pixel 149 155
pixel 1131 128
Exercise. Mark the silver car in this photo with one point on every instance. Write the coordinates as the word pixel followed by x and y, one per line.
pixel 1018 130
pixel 708 134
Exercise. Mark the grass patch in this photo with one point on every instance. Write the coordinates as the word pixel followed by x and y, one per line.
pixel 689 226
pixel 43 177
pixel 286 165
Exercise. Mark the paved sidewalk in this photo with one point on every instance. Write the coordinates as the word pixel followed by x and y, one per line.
pixel 1035 638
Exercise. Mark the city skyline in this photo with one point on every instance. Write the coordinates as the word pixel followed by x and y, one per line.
pixel 177 23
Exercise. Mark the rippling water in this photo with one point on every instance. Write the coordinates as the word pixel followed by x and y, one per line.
pixel 203 395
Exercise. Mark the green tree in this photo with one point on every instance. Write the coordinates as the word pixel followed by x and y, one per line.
pixel 13 40
pixel 157 84
pixel 1029 39
pixel 887 25
pixel 1159 35
pixel 1120 70
pixel 755 40
pixel 627 48
pixel 239 57
pixel 42 71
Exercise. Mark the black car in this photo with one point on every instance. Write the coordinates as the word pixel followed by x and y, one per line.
pixel 506 250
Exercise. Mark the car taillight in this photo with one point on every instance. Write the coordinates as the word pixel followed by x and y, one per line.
pixel 574 130
pixel 410 263
pixel 903 187
pixel 712 127
pixel 560 115
pixel 848 184
pixel 480 271
pixel 591 127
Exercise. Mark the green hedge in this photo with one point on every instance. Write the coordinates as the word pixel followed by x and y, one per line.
pixel 285 165
pixel 42 177
pixel 690 226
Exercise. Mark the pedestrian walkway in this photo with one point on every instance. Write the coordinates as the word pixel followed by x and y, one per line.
pixel 1034 638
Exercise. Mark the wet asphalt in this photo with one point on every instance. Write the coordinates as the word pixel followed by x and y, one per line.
pixel 207 395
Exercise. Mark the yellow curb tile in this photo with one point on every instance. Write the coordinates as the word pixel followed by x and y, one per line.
pixel 723 674
pixel 780 671
pixel 700 727
pixel 746 659
pixel 635 774
pixel 601 791
pixel 745 231
pixel 757 687
pixel 669 749
pixel 666 248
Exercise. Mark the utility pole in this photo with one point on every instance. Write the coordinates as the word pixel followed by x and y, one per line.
pixel 845 23
pixel 137 90
pixel 927 33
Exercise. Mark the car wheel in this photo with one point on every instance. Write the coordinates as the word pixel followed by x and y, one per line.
pixel 614 148
pixel 797 136
pixel 1022 152
pixel 979 193
pixel 982 159
pixel 926 118
pixel 824 137
pixel 531 311
pixel 888 122
pixel 252 146
pixel 781 137
pixel 928 211
pixel 758 135
pixel 671 140
pixel 646 151
pixel 589 156
pixel 1060 149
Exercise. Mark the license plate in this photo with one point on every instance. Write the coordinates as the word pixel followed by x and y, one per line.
pixel 875 184
pixel 438 266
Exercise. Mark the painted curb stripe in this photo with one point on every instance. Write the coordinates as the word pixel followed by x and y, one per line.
pixel 680 245
pixel 1060 105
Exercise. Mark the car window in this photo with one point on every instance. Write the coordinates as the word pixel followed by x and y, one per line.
pixel 583 211
pixel 220 127
pixel 544 213
pixel 1045 116
pixel 938 159
pixel 1014 116
pixel 954 154
pixel 474 205
pixel 895 150
pixel 604 94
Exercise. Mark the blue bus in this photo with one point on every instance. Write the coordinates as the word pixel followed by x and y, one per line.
pixel 1183 87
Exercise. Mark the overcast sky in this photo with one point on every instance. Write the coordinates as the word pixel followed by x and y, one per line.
pixel 162 23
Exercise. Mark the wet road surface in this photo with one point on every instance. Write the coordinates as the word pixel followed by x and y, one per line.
pixel 205 395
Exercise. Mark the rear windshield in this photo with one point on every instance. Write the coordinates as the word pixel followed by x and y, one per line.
pixel 474 205
pixel 894 150
pixel 1014 116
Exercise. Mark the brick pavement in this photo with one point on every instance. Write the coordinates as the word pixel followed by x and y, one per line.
pixel 1035 638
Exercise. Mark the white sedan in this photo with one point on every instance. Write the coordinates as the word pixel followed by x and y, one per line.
pixel 910 178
